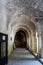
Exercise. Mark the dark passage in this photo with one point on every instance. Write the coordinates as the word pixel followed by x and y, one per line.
pixel 20 39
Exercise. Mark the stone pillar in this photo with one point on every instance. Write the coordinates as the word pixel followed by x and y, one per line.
pixel 39 42
pixel 33 42
pixel 42 47
pixel 39 28
pixel 29 42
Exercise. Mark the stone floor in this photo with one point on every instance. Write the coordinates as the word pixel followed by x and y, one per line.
pixel 24 62
pixel 19 57
pixel 21 54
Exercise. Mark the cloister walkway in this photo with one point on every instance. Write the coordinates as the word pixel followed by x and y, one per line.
pixel 22 57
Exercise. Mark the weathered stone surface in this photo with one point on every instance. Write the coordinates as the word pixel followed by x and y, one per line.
pixel 14 10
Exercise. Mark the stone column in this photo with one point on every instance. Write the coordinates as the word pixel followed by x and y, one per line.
pixel 39 28
pixel 42 47
pixel 39 42
pixel 40 51
pixel 34 45
pixel 29 42
pixel 33 42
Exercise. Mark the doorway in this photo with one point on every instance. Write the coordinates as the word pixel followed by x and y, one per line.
pixel 20 39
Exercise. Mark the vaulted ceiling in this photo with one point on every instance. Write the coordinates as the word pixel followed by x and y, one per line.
pixel 29 6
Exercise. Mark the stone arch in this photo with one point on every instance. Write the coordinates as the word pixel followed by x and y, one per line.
pixel 23 18
pixel 22 22
pixel 26 36
pixel 26 32
pixel 23 28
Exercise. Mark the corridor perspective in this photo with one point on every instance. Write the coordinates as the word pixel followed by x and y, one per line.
pixel 21 32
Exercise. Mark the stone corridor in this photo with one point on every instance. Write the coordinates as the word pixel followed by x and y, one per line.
pixel 22 57
pixel 22 22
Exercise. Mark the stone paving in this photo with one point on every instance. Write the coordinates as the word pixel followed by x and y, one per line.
pixel 20 61
pixel 24 62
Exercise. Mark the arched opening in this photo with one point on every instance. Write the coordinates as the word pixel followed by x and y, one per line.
pixel 23 33
pixel 20 39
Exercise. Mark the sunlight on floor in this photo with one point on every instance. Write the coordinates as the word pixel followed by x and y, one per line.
pixel 24 62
